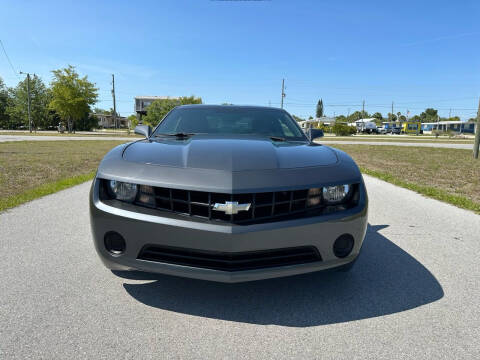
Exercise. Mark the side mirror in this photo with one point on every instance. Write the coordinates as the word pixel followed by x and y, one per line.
pixel 144 130
pixel 312 134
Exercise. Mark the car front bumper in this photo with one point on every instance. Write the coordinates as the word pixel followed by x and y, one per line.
pixel 139 229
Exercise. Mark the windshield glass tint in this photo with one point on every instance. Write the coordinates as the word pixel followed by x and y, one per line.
pixel 211 120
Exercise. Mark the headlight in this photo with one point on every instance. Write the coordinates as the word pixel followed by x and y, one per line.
pixel 123 191
pixel 335 194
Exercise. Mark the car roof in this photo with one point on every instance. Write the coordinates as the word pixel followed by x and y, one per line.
pixel 206 106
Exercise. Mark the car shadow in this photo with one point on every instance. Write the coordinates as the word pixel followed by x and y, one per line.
pixel 385 280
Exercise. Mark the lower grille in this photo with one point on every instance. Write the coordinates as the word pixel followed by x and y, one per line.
pixel 230 261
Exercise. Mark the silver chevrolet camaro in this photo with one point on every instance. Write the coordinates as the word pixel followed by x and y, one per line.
pixel 228 193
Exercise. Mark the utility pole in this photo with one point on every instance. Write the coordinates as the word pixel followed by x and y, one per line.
pixel 392 110
pixel 450 113
pixel 477 133
pixel 28 101
pixel 114 103
pixel 363 109
pixel 283 92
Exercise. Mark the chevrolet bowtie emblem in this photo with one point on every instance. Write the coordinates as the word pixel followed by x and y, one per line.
pixel 231 207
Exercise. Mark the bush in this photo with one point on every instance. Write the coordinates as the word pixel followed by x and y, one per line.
pixel 87 123
pixel 344 130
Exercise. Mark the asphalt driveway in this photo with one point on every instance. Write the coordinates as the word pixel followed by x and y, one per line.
pixel 398 143
pixel 5 138
pixel 414 293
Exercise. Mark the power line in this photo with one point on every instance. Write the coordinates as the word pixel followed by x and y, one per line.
pixel 6 55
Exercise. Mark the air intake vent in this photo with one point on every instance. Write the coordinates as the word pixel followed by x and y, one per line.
pixel 230 261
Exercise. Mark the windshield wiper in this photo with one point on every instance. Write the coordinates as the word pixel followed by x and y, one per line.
pixel 179 135
pixel 277 138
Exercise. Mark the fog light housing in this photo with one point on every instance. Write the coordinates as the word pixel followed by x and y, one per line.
pixel 343 246
pixel 114 243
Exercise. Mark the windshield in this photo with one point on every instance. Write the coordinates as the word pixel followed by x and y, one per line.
pixel 223 120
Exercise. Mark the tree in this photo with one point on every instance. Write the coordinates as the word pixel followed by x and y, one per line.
pixel 392 117
pixel 319 113
pixel 429 115
pixel 40 97
pixel 72 95
pixel 4 99
pixel 453 118
pixel 357 115
pixel 157 110
pixel 133 121
pixel 87 122
pixel 378 118
pixel 97 110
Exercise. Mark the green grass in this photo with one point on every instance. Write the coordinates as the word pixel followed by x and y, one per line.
pixel 42 190
pixel 397 139
pixel 83 134
pixel 439 194
pixel 449 175
pixel 31 169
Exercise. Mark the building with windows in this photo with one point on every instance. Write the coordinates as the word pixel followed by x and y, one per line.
pixel 142 103
pixel 325 120
pixel 106 121
pixel 461 127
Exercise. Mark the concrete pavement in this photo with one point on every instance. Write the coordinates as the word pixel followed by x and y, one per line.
pixel 5 138
pixel 412 294
pixel 399 143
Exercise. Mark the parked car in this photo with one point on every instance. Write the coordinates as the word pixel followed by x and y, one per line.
pixel 368 127
pixel 230 194
pixel 381 130
pixel 396 130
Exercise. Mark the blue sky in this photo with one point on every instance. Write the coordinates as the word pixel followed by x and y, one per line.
pixel 415 53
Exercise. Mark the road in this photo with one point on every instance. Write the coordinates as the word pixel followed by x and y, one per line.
pixel 398 143
pixel 414 293
pixel 5 138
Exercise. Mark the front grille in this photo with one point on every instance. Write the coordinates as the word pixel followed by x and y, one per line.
pixel 265 206
pixel 230 261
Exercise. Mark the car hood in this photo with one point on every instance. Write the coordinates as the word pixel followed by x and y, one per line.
pixel 229 154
